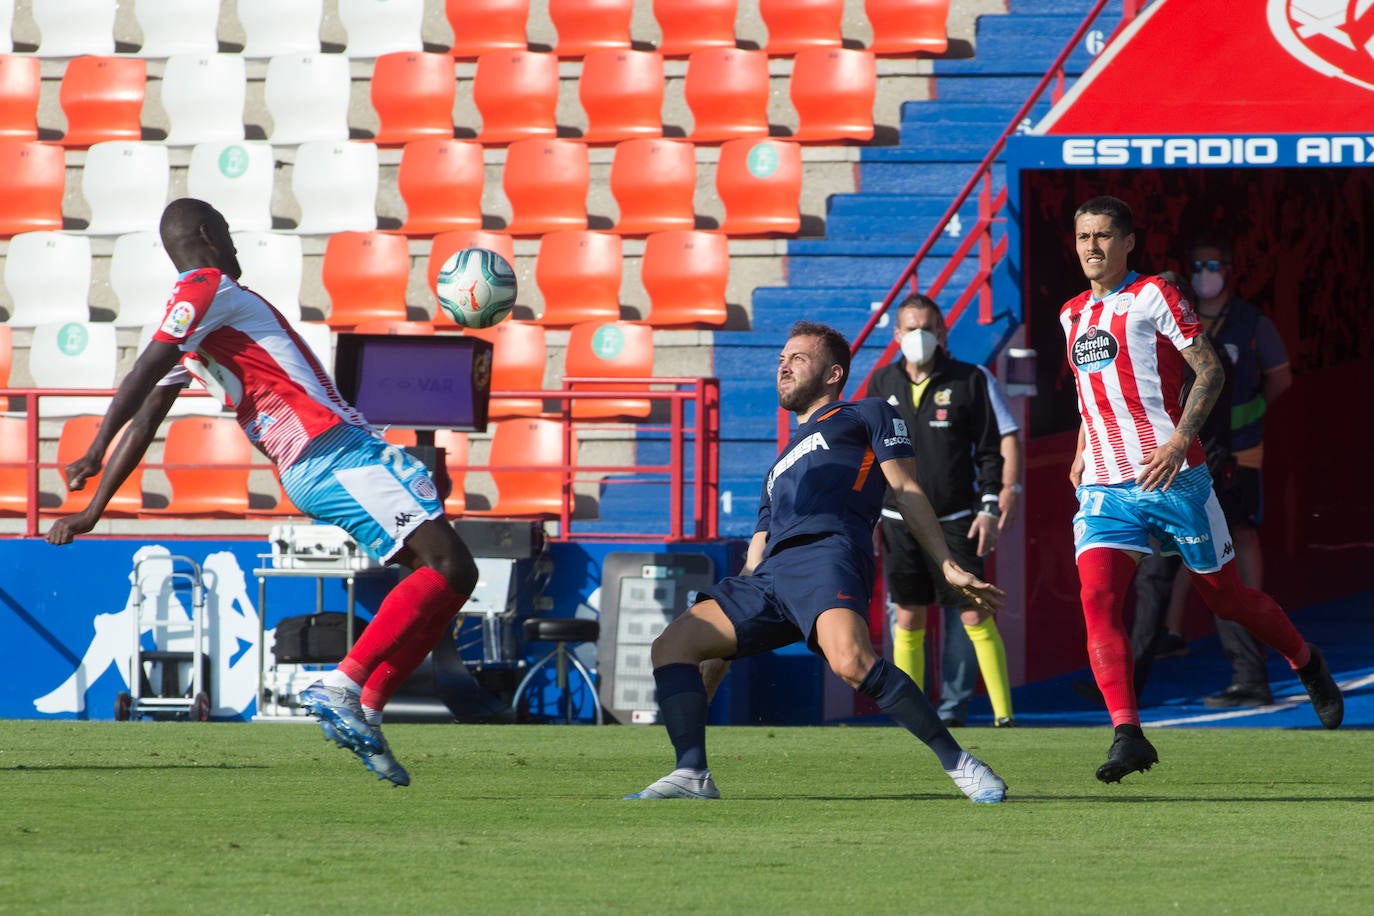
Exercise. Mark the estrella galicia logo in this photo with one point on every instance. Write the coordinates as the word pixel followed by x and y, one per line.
pixel 1095 350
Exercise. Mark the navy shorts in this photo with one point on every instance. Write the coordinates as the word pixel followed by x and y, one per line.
pixel 778 605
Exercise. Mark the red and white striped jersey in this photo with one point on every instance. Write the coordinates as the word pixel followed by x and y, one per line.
pixel 1124 350
pixel 245 352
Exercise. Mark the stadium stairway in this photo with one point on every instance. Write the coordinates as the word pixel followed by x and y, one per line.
pixel 872 233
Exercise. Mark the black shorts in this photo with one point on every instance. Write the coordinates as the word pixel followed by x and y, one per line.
pixel 1240 491
pixel 912 576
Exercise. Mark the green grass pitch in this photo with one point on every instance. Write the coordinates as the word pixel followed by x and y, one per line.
pixel 177 817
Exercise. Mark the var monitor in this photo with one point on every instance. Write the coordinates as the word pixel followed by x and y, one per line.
pixel 440 381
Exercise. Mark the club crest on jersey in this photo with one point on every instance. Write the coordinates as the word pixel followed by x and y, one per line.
pixel 1094 350
pixel 179 318
pixel 943 397
pixel 1123 303
pixel 423 487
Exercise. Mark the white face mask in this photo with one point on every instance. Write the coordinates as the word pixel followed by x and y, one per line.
pixel 919 347
pixel 1208 283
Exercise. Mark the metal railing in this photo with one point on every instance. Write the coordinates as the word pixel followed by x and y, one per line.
pixel 692 429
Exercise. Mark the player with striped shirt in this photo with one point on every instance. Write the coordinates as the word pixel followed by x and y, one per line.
pixel 1140 471
pixel 334 467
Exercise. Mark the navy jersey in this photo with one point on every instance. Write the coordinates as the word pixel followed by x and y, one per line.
pixel 827 480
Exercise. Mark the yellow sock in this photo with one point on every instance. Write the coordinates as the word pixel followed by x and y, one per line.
pixel 909 653
pixel 992 663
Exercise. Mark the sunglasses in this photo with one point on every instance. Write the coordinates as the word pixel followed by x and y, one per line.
pixel 1214 265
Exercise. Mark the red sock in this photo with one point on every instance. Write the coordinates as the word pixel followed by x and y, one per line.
pixel 1104 575
pixel 1228 598
pixel 402 632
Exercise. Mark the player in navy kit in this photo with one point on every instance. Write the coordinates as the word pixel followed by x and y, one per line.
pixel 809 571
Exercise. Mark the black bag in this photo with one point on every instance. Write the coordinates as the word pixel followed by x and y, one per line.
pixel 315 638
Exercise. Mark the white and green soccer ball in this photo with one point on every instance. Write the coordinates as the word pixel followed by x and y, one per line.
pixel 476 287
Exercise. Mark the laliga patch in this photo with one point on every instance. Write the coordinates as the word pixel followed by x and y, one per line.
pixel 423 487
pixel 899 426
pixel 178 320
pixel 1094 351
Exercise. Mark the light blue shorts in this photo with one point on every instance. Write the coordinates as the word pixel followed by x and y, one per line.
pixel 376 491
pixel 1185 519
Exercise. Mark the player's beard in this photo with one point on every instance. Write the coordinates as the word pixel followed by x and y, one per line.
pixel 804 393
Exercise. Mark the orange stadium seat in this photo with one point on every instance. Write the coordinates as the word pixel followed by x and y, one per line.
pixel 516 93
pixel 727 91
pixel 833 90
pixel 546 183
pixel 282 508
pixel 33 178
pixel 21 80
pixel 654 181
pixel 685 273
pixel 621 92
pixel 413 94
pixel 759 182
pixel 690 25
pixel 72 442
pixel 445 244
pixel 14 476
pixel 526 442
pixel 578 273
pixel 102 98
pixel 365 275
pixel 441 184
pixel 587 25
pixel 480 26
pixel 906 26
pixel 795 25
pixel 455 446
pixel 610 349
pixel 216 488
pixel 517 364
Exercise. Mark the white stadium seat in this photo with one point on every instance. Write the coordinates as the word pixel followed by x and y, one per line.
pixel 271 27
pixel 377 27
pixel 126 183
pixel 237 178
pixel 177 27
pixel 204 97
pixel 336 186
pixel 273 267
pixel 69 28
pixel 73 354
pixel 142 277
pixel 307 96
pixel 48 275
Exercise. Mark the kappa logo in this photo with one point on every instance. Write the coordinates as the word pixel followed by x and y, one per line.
pixel 1333 37
pixel 403 519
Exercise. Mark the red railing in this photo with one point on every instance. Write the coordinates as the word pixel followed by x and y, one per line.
pixel 990 205
pixel 698 396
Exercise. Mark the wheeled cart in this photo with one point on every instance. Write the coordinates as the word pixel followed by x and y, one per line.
pixel 170 653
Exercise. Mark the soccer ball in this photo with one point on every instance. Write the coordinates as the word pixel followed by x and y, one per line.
pixel 476 286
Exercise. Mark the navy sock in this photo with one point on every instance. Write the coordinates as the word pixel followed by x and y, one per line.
pixel 897 695
pixel 682 703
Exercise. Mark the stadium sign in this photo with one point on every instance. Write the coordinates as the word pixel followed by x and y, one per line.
pixel 1192 151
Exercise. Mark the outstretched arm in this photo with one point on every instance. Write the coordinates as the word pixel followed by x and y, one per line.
pixel 1162 465
pixel 925 527
pixel 142 404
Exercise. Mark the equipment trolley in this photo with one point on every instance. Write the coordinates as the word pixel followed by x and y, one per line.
pixel 170 652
